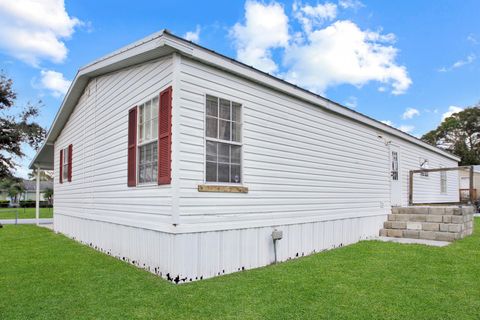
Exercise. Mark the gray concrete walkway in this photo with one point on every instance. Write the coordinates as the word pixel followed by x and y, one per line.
pixel 433 243
pixel 27 221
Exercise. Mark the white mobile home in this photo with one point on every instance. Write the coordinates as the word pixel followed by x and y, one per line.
pixel 183 162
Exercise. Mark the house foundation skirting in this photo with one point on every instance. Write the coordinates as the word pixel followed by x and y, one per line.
pixel 194 256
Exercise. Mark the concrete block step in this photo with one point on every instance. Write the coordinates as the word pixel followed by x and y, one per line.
pixel 428 226
pixel 434 243
pixel 434 210
pixel 410 217
pixel 425 234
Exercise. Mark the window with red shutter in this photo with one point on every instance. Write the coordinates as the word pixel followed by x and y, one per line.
pixel 66 164
pixel 165 136
pixel 147 142
pixel 132 147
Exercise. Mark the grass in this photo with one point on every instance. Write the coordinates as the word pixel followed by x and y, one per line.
pixel 47 276
pixel 24 213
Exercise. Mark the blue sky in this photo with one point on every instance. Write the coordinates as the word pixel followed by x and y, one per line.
pixel 404 62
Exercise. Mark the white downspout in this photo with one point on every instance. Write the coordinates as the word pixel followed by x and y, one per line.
pixel 37 198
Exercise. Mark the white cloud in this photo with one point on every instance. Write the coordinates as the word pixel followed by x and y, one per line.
pixel 317 57
pixel 350 4
pixel 55 82
pixel 460 63
pixel 265 28
pixel 410 113
pixel 351 102
pixel 406 128
pixel 34 30
pixel 193 36
pixel 342 53
pixel 451 111
pixel 310 16
pixel 472 39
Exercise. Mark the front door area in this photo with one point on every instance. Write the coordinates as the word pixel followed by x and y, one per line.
pixel 395 177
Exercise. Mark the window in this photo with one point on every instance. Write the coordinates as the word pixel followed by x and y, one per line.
pixel 223 140
pixel 394 173
pixel 443 182
pixel 424 165
pixel 147 141
pixel 65 164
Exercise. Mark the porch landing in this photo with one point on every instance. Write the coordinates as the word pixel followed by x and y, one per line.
pixel 441 223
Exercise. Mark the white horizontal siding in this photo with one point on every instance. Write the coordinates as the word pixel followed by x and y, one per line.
pixel 298 159
pixel 426 189
pixel 98 130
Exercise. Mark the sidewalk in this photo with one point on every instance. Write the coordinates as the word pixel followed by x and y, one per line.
pixel 27 221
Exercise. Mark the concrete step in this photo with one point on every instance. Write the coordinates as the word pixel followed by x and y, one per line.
pixel 421 234
pixel 434 243
pixel 413 217
pixel 434 210
pixel 430 223
pixel 428 226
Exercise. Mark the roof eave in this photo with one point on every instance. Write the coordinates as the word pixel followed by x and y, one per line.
pixel 150 48
pixel 136 53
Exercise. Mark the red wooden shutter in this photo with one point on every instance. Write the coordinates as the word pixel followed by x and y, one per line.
pixel 165 137
pixel 61 166
pixel 132 147
pixel 70 149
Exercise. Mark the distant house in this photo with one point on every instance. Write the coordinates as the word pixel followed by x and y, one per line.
pixel 465 183
pixel 29 194
pixel 184 162
pixel 30 186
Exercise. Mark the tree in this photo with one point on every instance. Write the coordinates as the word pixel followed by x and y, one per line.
pixel 48 194
pixel 16 128
pixel 44 175
pixel 14 188
pixel 460 135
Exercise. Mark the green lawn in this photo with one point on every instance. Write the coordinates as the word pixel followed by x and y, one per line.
pixel 24 213
pixel 47 276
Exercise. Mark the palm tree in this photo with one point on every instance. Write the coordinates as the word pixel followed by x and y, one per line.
pixel 48 194
pixel 44 175
pixel 14 188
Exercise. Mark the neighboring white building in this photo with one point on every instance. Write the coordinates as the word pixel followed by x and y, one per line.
pixel 193 188
pixel 465 182
pixel 29 193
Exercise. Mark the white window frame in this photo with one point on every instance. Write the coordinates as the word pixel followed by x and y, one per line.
pixel 240 144
pixel 140 143
pixel 443 181
pixel 65 165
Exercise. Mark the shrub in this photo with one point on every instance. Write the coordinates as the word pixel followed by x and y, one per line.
pixel 4 203
pixel 31 204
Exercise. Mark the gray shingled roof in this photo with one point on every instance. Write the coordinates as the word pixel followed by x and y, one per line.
pixel 30 185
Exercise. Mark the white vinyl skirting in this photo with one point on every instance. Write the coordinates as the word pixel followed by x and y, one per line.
pixel 194 256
